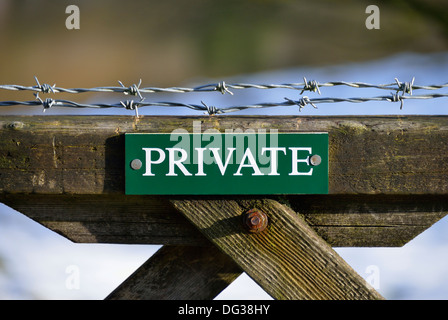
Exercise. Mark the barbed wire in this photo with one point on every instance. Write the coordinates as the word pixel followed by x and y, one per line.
pixel 314 86
pixel 212 110
pixel 135 90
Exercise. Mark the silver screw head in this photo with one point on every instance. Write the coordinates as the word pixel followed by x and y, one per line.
pixel 315 160
pixel 136 164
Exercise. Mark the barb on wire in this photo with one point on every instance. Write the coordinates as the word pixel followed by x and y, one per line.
pixel 45 88
pixel 221 87
pixel 47 103
pixel 131 105
pixel 302 102
pixel 396 97
pixel 310 86
pixel 211 110
pixel 133 90
pixel 405 87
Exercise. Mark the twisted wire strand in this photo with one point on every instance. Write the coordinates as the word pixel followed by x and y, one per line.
pixel 212 110
pixel 405 87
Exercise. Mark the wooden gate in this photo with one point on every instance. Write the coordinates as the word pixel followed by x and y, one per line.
pixel 388 182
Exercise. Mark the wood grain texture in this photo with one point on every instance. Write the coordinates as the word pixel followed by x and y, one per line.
pixel 343 221
pixel 369 220
pixel 179 273
pixel 288 260
pixel 84 154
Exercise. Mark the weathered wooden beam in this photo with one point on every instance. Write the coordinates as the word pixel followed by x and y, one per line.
pixel 179 273
pixel 288 259
pixel 343 221
pixel 85 154
pixel 46 161
pixel 116 219
pixel 369 220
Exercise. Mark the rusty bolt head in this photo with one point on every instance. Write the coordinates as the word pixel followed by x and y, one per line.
pixel 255 221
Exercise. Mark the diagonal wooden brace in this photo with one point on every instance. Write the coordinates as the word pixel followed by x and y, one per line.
pixel 288 259
pixel 179 273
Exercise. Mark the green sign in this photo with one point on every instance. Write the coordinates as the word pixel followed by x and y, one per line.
pixel 226 163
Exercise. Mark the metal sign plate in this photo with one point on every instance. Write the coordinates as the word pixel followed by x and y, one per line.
pixel 226 163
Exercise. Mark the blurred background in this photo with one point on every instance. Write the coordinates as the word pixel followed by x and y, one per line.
pixel 189 43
